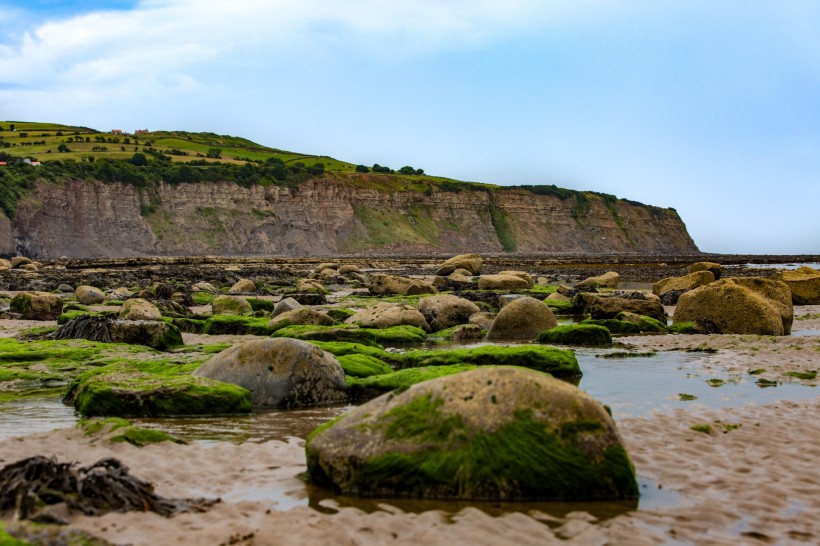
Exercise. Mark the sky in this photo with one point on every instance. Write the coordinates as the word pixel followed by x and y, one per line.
pixel 712 108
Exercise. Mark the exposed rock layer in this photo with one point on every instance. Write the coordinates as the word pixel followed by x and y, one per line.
pixel 333 214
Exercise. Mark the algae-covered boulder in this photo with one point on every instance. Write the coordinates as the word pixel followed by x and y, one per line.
pixel 37 305
pixel 382 284
pixel 155 334
pixel 310 286
pixel 521 275
pixel 280 372
pixel 523 318
pixel 242 286
pixel 615 326
pixel 590 335
pixel 469 262
pixel 386 315
pixel 647 325
pixel 89 295
pixel 446 310
pixel 609 279
pixel 231 305
pixel 139 390
pixel 502 282
pixel 804 284
pixel 714 268
pixel 485 434
pixel 557 362
pixel 682 284
pixel 606 307
pixel 300 316
pixel 139 309
pixel 738 306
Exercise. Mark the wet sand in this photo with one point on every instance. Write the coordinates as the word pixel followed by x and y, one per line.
pixel 753 480
pixel 756 483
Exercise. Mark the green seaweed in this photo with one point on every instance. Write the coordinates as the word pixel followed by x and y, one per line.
pixel 350 334
pixel 615 326
pixel 362 365
pixel 237 325
pixel 683 397
pixel 261 305
pixel 627 354
pixel 705 428
pixel 558 362
pixel 808 375
pixel 370 387
pixel 577 334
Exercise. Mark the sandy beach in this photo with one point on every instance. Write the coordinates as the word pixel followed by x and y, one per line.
pixel 753 480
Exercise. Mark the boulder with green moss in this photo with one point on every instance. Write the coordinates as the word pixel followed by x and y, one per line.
pixel 37 305
pixel 152 389
pixel 523 318
pixel 647 325
pixel 486 434
pixel 280 372
pixel 589 335
pixel 231 305
pixel 615 326
pixel 558 362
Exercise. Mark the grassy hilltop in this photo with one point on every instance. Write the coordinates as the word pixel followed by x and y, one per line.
pixel 55 142
pixel 36 153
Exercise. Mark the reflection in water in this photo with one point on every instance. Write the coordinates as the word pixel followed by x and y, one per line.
pixel 328 502
pixel 259 426
pixel 33 414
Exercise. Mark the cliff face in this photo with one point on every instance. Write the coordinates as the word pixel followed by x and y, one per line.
pixel 333 214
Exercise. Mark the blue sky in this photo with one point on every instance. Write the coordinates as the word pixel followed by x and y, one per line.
pixel 712 108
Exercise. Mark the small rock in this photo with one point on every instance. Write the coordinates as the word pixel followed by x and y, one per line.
pixel 89 295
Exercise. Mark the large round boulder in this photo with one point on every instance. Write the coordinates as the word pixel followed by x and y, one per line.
pixel 738 306
pixel 231 305
pixel 682 284
pixel 487 434
pixel 89 295
pixel 387 315
pixel 139 309
pixel 280 372
pixel 469 262
pixel 502 282
pixel 804 284
pixel 445 311
pixel 714 268
pixel 242 286
pixel 37 305
pixel 600 306
pixel 523 318
pixel 610 279
pixel 384 284
pixel 303 316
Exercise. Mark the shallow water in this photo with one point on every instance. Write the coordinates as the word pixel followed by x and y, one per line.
pixel 631 387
